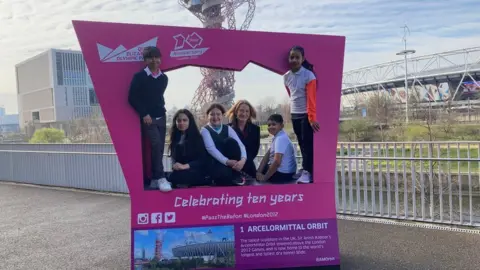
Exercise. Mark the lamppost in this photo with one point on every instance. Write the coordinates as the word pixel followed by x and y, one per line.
pixel 406 52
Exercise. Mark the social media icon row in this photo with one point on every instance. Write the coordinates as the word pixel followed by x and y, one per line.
pixel 156 218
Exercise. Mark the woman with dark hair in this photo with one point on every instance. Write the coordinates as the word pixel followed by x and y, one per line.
pixel 187 151
pixel 240 117
pixel 227 152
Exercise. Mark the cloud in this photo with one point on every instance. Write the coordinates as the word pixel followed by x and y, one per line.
pixel 198 237
pixel 142 232
pixel 372 28
pixel 138 253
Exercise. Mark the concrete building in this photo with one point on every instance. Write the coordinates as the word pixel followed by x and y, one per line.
pixel 53 88
pixel 8 122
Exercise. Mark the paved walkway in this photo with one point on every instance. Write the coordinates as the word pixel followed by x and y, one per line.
pixel 58 229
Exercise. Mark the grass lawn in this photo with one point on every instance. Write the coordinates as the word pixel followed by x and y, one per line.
pixel 437 151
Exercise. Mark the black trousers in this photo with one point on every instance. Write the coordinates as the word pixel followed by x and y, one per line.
pixel 189 178
pixel 250 168
pixel 304 132
pixel 221 174
pixel 279 177
pixel 156 133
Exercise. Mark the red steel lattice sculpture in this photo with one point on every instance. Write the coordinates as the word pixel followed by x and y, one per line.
pixel 217 85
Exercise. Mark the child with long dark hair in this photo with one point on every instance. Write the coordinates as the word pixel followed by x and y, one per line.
pixel 240 116
pixel 301 85
pixel 187 151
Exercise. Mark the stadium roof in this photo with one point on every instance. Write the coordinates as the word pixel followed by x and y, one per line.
pixel 438 66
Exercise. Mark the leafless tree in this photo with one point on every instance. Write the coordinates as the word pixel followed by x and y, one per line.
pixel 380 110
pixel 88 130
pixel 265 108
pixel 285 110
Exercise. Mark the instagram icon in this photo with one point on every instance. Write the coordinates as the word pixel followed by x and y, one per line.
pixel 142 218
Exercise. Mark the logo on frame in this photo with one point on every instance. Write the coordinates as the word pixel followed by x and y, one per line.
pixel 156 218
pixel 186 47
pixel 122 54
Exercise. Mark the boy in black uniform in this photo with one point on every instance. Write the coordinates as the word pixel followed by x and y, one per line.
pixel 146 96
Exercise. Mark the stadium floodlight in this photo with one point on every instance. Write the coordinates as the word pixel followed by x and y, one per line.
pixel 405 53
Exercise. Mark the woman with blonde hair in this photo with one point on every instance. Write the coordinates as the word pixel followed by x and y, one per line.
pixel 240 117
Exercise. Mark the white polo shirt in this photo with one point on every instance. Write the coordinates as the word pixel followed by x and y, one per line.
pixel 282 144
pixel 296 83
pixel 150 73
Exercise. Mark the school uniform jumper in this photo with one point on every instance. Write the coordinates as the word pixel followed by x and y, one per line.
pixel 146 96
pixel 193 153
pixel 302 89
pixel 250 138
pixel 223 145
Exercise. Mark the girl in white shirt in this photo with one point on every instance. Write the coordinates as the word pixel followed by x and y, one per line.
pixel 226 150
pixel 301 85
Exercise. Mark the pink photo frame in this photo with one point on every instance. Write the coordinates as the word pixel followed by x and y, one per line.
pixel 296 223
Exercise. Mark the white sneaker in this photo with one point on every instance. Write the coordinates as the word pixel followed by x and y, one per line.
pixel 306 178
pixel 164 185
pixel 298 174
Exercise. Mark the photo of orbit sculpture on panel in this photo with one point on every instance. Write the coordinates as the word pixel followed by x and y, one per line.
pixel 264 226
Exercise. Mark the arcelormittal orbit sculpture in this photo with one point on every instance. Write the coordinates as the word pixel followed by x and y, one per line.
pixel 217 85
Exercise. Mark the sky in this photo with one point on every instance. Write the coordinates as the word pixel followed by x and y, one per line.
pixel 176 237
pixel 372 28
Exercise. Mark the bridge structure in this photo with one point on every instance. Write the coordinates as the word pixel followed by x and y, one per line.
pixel 432 80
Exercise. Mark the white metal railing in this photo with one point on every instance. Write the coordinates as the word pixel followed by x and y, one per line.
pixel 427 181
pixel 435 182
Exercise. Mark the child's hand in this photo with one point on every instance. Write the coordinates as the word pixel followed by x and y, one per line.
pixel 315 126
pixel 177 166
pixel 147 119
pixel 239 165
pixel 260 177
pixel 231 163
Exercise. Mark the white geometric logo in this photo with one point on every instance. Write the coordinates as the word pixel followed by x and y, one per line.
pixel 186 47
pixel 121 54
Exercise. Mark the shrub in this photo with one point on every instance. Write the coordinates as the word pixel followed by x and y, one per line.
pixel 48 135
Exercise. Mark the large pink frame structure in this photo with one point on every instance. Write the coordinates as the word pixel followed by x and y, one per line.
pixel 113 54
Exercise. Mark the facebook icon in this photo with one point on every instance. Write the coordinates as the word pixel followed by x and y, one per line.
pixel 156 218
